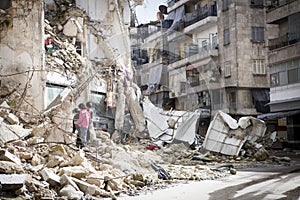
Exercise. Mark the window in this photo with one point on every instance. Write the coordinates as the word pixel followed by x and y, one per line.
pixel 192 76
pixel 257 34
pixel 205 45
pixel 274 79
pixel 182 87
pixel 52 91
pixel 224 5
pixel 227 69
pixel 257 3
pixel 258 67
pixel 285 73
pixel 226 37
pixel 293 76
pixel 283 78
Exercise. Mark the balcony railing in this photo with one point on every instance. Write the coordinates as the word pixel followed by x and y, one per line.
pixel 198 15
pixel 285 40
pixel 278 3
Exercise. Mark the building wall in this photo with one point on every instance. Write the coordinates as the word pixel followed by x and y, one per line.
pixel 21 53
pixel 236 57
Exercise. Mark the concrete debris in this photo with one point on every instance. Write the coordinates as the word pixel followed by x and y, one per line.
pixel 227 136
pixel 12 182
pixel 108 169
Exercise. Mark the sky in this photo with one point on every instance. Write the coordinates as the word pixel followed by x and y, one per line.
pixel 147 12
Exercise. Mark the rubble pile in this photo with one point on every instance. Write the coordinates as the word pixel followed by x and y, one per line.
pixel 33 167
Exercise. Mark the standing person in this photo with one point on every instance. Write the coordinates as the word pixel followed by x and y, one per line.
pixel 90 133
pixel 83 123
pixel 76 112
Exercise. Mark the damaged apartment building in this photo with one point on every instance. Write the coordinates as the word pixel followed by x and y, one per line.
pixel 216 55
pixel 53 51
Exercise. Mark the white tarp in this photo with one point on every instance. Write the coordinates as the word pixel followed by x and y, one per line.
pixel 225 135
pixel 181 126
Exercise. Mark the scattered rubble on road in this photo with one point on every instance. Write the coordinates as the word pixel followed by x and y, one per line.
pixel 33 167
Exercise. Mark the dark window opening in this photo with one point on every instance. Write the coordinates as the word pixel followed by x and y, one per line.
pixel 5 4
pixel 226 37
pixel 224 5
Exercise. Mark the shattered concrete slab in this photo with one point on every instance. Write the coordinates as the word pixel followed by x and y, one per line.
pixel 226 135
pixel 12 182
pixel 12 132
pixel 166 126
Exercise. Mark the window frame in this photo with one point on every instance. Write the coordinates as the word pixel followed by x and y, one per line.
pixel 257 34
pixel 258 67
pixel 225 5
pixel 226 36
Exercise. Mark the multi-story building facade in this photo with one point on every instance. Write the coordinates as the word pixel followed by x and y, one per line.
pixel 213 56
pixel 283 18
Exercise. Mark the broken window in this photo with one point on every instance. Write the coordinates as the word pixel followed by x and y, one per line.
pixel 192 77
pixel 52 91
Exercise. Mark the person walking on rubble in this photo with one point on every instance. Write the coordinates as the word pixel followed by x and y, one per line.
pixel 89 109
pixel 83 123
pixel 90 131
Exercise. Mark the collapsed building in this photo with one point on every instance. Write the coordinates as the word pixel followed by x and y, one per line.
pixel 56 54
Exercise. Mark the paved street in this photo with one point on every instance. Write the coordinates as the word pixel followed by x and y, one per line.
pixel 268 183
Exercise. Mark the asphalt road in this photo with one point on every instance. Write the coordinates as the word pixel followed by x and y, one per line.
pixel 264 183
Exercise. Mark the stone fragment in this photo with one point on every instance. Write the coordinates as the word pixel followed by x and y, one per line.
pixel 77 159
pixel 12 119
pixel 25 155
pixel 50 177
pixel 70 28
pixel 7 156
pixel 12 182
pixel 74 171
pixel 71 193
pixel 86 188
pixel 12 132
pixel 95 180
pixel 36 160
pixel 54 161
pixel 7 167
pixel 66 180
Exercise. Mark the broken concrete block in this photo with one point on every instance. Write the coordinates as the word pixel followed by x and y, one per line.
pixel 85 187
pixel 75 171
pixel 59 150
pixel 70 192
pixel 12 132
pixel 95 180
pixel 25 155
pixel 12 119
pixel 70 28
pixel 77 159
pixel 40 130
pixel 13 181
pixel 50 177
pixel 37 160
pixel 7 156
pixel 66 180
pixel 7 167
pixel 54 161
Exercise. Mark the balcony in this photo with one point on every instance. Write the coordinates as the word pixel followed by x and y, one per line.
pixel 283 41
pixel 194 52
pixel 281 9
pixel 198 15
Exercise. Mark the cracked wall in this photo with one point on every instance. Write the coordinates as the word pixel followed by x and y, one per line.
pixel 21 55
